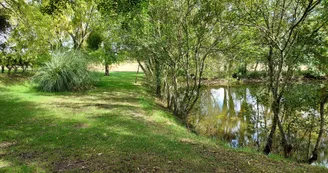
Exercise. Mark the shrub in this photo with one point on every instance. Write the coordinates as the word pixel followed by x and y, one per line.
pixel 64 72
pixel 256 74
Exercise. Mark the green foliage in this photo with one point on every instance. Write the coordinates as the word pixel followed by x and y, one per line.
pixel 256 74
pixel 116 7
pixel 177 43
pixel 105 56
pixel 94 40
pixel 173 41
pixel 52 6
pixel 65 72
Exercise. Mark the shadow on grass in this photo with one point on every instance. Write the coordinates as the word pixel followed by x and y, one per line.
pixel 106 106
pixel 33 139
pixel 15 78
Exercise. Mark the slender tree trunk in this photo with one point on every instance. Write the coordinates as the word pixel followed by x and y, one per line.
pixel 245 69
pixel 24 67
pixel 137 74
pixel 274 106
pixel 158 79
pixel 143 68
pixel 257 63
pixel 9 69
pixel 309 141
pixel 106 69
pixel 257 124
pixel 321 131
pixel 268 146
pixel 2 69
pixel 15 69
pixel 287 147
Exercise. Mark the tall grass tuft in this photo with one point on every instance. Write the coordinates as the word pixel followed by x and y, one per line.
pixel 66 71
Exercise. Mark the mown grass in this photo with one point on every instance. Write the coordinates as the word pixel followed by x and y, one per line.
pixel 115 127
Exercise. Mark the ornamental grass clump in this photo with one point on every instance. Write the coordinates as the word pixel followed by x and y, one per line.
pixel 66 71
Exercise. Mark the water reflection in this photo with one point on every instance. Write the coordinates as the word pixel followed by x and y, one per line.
pixel 240 114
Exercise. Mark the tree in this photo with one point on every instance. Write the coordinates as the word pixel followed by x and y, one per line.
pixel 4 28
pixel 279 24
pixel 323 96
pixel 173 40
pixel 83 15
pixel 26 38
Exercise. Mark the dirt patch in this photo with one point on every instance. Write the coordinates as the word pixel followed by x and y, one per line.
pixel 28 155
pixel 188 141
pixel 81 126
pixel 69 165
pixel 85 106
pixel 7 144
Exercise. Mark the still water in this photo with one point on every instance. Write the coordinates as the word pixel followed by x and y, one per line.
pixel 242 117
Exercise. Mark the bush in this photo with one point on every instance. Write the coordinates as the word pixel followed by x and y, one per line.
pixel 64 72
pixel 256 75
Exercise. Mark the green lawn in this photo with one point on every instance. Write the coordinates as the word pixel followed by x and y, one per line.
pixel 115 127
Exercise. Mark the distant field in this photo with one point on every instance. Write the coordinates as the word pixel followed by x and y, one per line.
pixel 121 67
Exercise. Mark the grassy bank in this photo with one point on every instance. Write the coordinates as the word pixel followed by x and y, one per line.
pixel 115 127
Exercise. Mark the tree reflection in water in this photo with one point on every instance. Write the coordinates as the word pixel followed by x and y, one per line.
pixel 242 114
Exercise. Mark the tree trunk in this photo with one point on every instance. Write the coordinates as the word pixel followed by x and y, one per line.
pixel 24 67
pixel 257 63
pixel 310 137
pixel 276 121
pixel 158 79
pixel 15 69
pixel 322 125
pixel 268 146
pixel 274 106
pixel 287 147
pixel 2 69
pixel 9 68
pixel 137 74
pixel 106 69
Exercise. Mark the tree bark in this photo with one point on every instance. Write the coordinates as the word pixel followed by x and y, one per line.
pixel 257 63
pixel 268 146
pixel 274 106
pixel 314 156
pixel 137 74
pixel 9 69
pixel 106 69
pixel 2 69
pixel 287 147
pixel 24 67
pixel 158 78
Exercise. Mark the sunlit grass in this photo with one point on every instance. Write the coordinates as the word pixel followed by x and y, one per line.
pixel 115 127
pixel 4 164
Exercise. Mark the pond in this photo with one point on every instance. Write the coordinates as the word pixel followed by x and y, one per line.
pixel 242 117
